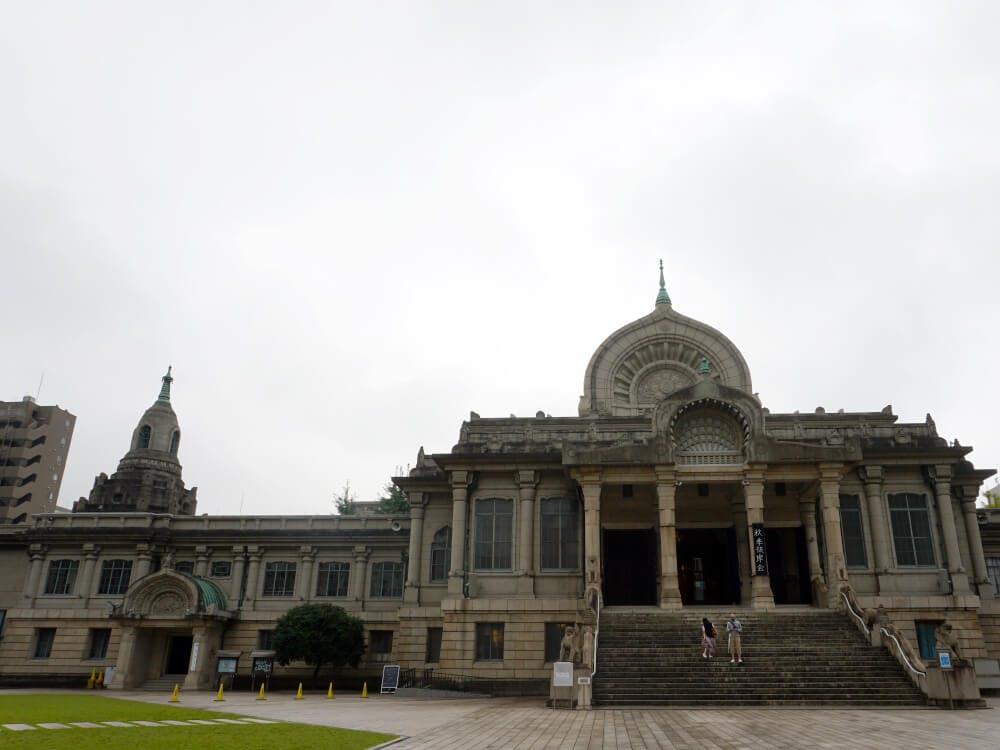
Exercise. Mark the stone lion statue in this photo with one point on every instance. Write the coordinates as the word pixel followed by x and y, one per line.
pixel 947 639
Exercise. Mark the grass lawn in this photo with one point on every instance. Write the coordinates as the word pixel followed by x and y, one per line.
pixel 33 709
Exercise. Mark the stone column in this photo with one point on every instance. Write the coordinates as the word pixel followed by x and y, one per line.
pixel 807 509
pixel 303 576
pixel 204 649
pixel 418 503
pixel 125 670
pixel 459 496
pixel 236 577
pixel 360 572
pixel 761 596
pixel 836 570
pixel 201 554
pixel 983 584
pixel 872 477
pixel 591 486
pixel 143 562
pixel 739 511
pixel 86 588
pixel 527 483
pixel 36 553
pixel 253 573
pixel 666 495
pixel 946 511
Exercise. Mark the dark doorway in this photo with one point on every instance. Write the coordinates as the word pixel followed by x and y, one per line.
pixel 178 654
pixel 629 557
pixel 707 566
pixel 788 565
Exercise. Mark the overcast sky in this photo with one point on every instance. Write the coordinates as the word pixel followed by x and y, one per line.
pixel 346 225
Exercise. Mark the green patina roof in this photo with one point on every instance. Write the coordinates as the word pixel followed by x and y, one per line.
pixel 208 592
pixel 165 388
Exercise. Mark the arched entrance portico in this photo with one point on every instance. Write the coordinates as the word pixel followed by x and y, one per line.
pixel 171 626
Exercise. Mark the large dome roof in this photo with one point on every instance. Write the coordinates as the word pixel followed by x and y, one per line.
pixel 645 361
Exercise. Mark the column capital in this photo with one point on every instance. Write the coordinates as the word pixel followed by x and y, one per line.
pixel 37 551
pixel 361 553
pixel 665 474
pixel 237 549
pixel 527 477
pixel 588 476
pixel 91 551
pixel 307 551
pixel 460 479
pixel 418 499
pixel 754 475
pixel 830 472
pixel 940 472
pixel 871 474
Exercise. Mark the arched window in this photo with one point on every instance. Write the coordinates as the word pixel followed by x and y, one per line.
pixel 175 441
pixel 145 435
pixel 441 554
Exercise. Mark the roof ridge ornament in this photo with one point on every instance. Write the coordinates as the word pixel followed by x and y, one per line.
pixel 164 397
pixel 662 298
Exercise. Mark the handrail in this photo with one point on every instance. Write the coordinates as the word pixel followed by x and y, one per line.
pixel 597 629
pixel 902 653
pixel 860 619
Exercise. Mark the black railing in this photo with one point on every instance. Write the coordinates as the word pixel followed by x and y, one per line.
pixel 432 679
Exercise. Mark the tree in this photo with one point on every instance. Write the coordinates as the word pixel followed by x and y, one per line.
pixel 393 501
pixel 345 502
pixel 993 498
pixel 319 634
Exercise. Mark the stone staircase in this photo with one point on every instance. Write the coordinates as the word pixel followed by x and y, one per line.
pixel 792 657
pixel 163 684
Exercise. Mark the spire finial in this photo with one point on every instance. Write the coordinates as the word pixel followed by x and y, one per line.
pixel 165 389
pixel 662 298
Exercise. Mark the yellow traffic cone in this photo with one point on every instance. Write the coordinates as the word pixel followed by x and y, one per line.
pixel 174 698
pixel 261 696
pixel 364 690
pixel 92 679
pixel 298 695
pixel 329 691
pixel 99 682
pixel 219 696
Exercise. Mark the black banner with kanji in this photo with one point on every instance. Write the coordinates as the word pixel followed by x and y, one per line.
pixel 759 550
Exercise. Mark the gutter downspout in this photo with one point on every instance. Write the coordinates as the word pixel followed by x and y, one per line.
pixel 469 489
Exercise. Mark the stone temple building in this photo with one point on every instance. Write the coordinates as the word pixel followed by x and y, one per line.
pixel 673 490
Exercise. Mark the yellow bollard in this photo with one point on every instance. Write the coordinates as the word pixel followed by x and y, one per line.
pixel 219 696
pixel 261 696
pixel 175 697
pixel 92 680
pixel 329 691
pixel 364 690
pixel 298 695
pixel 99 682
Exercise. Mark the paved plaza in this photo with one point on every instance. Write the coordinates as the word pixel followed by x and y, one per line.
pixel 502 723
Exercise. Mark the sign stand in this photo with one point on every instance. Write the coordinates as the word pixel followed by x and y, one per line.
pixel 390 678
pixel 562 683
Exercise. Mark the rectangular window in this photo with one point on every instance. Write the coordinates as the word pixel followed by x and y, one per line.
pixel 115 575
pixel 279 579
pixel 62 575
pixel 379 646
pixel 264 639
pixel 387 580
pixel 489 641
pixel 927 640
pixel 911 530
pixel 433 645
pixel 554 632
pixel 184 566
pixel 221 569
pixel 560 535
pixel 853 531
pixel 992 571
pixel 494 525
pixel 99 640
pixel 333 579
pixel 44 637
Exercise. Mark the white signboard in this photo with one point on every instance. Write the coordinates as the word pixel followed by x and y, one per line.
pixel 562 674
pixel 194 657
pixel 944 659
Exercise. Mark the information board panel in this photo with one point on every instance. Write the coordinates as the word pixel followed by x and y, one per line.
pixel 390 678
pixel 759 550
pixel 562 674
